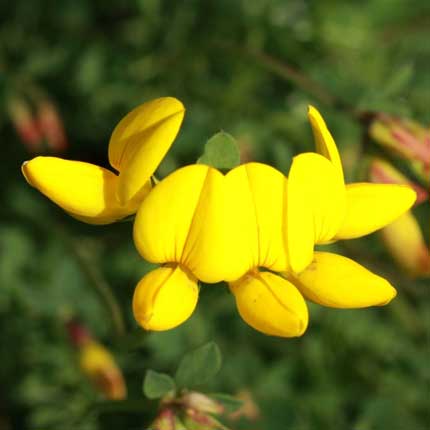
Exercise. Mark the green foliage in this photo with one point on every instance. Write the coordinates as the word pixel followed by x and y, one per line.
pixel 221 151
pixel 199 366
pixel 156 385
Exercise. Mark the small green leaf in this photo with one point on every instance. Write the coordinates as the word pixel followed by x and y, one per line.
pixel 230 403
pixel 198 366
pixel 221 151
pixel 156 385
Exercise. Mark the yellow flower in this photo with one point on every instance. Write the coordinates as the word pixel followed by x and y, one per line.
pixel 322 209
pixel 243 226
pixel 203 225
pixel 96 195
pixel 404 238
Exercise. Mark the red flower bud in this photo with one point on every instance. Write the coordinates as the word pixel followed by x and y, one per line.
pixel 51 125
pixel 26 125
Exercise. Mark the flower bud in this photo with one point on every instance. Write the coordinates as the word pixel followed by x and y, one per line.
pixel 405 137
pixel 97 363
pixel 26 125
pixel 202 403
pixel 196 420
pixel 51 125
pixel 166 420
pixel 249 408
pixel 404 240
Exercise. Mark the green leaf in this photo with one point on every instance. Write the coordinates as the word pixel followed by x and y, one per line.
pixel 221 151
pixel 198 366
pixel 156 385
pixel 229 402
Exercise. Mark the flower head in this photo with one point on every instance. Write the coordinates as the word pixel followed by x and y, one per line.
pixel 96 195
pixel 214 227
pixel 256 230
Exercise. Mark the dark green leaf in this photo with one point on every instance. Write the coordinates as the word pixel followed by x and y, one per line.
pixel 198 366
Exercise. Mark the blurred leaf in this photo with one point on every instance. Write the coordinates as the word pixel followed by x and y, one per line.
pixel 156 385
pixel 199 366
pixel 221 151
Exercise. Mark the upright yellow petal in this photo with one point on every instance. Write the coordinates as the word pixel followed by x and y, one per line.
pixel 85 191
pixel 209 251
pixel 141 140
pixel 257 205
pixel 164 219
pixel 336 281
pixel 130 130
pixel 165 298
pixel 373 206
pixel 271 304
pixel 406 244
pixel 315 207
pixel 324 141
pixel 240 227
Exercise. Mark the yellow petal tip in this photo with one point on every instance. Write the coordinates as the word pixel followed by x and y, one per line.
pixel 165 298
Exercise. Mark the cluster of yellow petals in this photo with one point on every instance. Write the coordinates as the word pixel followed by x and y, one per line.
pixel 256 229
pixel 97 195
pixel 252 227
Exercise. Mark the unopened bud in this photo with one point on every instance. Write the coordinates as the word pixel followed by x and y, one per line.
pixel 196 420
pixel 166 420
pixel 26 125
pixel 249 408
pixel 97 363
pixel 404 240
pixel 405 137
pixel 202 403
pixel 51 126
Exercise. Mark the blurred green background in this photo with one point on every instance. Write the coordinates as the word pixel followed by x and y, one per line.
pixel 249 67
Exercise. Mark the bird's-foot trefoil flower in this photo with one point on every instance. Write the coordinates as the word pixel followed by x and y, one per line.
pixel 404 238
pixel 322 209
pixel 97 195
pixel 256 230
pixel 203 225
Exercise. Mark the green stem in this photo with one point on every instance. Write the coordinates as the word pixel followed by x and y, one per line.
pixel 99 283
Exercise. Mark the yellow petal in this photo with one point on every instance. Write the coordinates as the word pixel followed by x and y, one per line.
pixel 373 206
pixel 324 141
pixel 336 281
pixel 256 206
pixel 165 298
pixel 315 207
pixel 271 304
pixel 164 219
pixel 406 244
pixel 382 172
pixel 210 250
pixel 141 140
pixel 130 130
pixel 85 191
